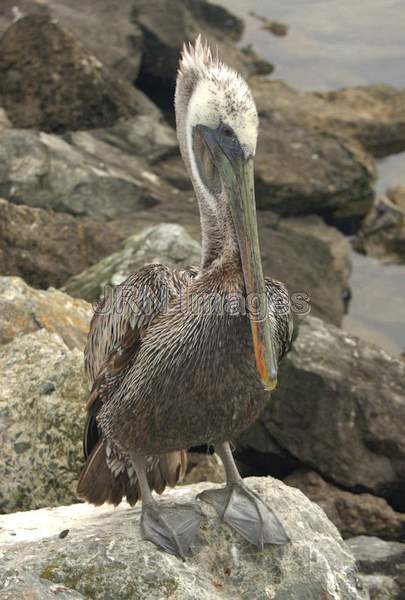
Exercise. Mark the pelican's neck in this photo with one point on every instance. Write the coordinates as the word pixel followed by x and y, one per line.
pixel 211 234
pixel 219 241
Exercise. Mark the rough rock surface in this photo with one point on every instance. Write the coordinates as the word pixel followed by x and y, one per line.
pixel 374 114
pixel 382 232
pixel 353 514
pixel 119 47
pixel 169 244
pixel 103 555
pixel 42 396
pixel 309 257
pixel 340 408
pixel 140 135
pixel 48 80
pixel 24 310
pixel 87 177
pixel 382 565
pixel 46 248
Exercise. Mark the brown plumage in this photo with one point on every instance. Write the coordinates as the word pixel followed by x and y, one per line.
pixel 180 358
pixel 113 344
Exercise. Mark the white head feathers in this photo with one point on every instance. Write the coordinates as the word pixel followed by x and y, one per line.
pixel 216 94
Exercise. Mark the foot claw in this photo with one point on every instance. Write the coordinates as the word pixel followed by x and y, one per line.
pixel 173 528
pixel 243 510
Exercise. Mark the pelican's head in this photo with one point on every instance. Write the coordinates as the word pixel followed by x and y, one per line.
pixel 212 96
pixel 217 127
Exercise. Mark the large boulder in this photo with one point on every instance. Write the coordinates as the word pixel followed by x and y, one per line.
pixel 300 169
pixel 45 248
pixel 311 258
pixel 382 565
pixel 374 115
pixel 353 514
pixel 104 555
pixel 42 396
pixel 141 135
pixel 340 408
pixel 120 45
pixel 24 310
pixel 382 232
pixel 85 177
pixel 169 244
pixel 50 81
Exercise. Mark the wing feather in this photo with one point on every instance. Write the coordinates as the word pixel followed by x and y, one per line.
pixel 117 328
pixel 281 318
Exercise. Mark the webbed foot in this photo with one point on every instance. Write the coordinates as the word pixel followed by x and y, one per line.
pixel 243 510
pixel 172 528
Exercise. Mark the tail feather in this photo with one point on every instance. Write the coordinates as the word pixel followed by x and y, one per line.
pixel 97 484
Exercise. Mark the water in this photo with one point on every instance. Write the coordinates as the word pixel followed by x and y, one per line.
pixel 391 172
pixel 377 308
pixel 332 44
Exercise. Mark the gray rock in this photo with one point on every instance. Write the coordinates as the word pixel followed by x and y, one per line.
pixel 119 47
pixel 300 170
pixel 45 248
pixel 92 178
pixel 353 514
pixel 374 115
pixel 41 405
pixel 309 257
pixel 140 135
pixel 382 564
pixel 381 587
pixel 168 244
pixel 50 81
pixel 375 555
pixel 382 232
pixel 313 227
pixel 104 556
pixel 340 408
pixel 24 310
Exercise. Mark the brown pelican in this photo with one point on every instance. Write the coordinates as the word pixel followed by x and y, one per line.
pixel 169 371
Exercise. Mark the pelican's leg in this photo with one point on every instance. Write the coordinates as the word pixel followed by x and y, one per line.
pixel 242 508
pixel 173 528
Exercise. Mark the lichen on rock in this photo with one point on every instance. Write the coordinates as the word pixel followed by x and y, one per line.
pixel 103 555
pixel 41 405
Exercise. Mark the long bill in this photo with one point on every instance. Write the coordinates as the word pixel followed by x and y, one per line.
pixel 237 176
pixel 243 208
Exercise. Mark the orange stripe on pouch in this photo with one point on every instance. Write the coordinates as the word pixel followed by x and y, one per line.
pixel 269 384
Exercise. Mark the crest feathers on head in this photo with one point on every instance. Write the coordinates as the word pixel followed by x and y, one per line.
pixel 198 57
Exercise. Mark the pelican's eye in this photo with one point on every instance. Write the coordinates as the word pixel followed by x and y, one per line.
pixel 227 132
